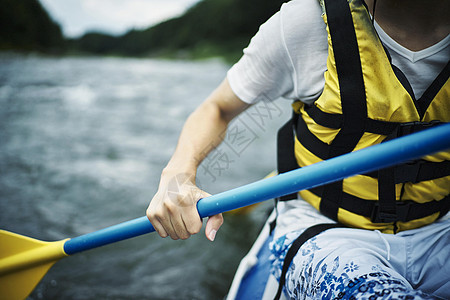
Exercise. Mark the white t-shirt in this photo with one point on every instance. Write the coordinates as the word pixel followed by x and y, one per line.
pixel 287 59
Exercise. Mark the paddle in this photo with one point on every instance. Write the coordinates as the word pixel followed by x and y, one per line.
pixel 24 261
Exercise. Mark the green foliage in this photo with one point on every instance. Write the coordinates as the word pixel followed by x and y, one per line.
pixel 94 42
pixel 209 28
pixel 25 25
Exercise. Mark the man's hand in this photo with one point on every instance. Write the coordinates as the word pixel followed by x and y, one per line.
pixel 173 210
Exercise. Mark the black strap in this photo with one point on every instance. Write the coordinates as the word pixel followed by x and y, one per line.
pixel 310 141
pixel 387 211
pixel 417 171
pixel 323 118
pixel 286 160
pixel 322 149
pixel 406 210
pixel 306 235
pixel 335 121
pixel 351 82
pixel 352 94
pixel 428 96
pixel 404 81
pixel 373 126
pixel 411 127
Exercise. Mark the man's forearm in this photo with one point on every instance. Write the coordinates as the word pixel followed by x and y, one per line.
pixel 173 210
pixel 205 129
pixel 202 132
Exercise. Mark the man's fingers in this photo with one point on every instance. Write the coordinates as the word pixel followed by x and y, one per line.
pixel 192 221
pixel 173 212
pixel 191 218
pixel 179 228
pixel 156 224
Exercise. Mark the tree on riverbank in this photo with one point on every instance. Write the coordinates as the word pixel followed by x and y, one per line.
pixel 26 26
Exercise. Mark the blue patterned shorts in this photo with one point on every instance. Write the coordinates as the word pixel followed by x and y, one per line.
pixel 360 264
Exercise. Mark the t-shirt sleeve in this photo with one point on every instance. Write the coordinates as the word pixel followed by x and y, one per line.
pixel 286 58
pixel 263 71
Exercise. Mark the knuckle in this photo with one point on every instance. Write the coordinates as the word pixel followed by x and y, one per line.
pixel 161 232
pixel 195 228
pixel 193 231
pixel 157 214
pixel 181 231
pixel 185 237
pixel 152 216
pixel 169 206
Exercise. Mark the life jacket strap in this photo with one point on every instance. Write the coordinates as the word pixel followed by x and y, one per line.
pixel 430 93
pixel 408 210
pixel 352 93
pixel 405 210
pixel 286 160
pixel 417 171
pixel 411 127
pixel 305 236
pixel 412 171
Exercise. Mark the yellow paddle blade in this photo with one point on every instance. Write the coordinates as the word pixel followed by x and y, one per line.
pixel 19 285
pixel 23 263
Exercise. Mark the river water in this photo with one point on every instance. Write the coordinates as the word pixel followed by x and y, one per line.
pixel 82 143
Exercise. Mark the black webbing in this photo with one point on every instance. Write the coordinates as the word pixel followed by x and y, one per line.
pixel 306 235
pixel 432 90
pixel 406 210
pixel 322 118
pixel 405 83
pixel 390 129
pixel 310 141
pixel 335 121
pixel 286 160
pixel 352 93
pixel 387 211
pixel 418 171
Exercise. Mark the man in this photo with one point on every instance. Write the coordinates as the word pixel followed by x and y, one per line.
pixel 351 97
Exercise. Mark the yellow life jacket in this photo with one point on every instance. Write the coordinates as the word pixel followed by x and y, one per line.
pixel 366 100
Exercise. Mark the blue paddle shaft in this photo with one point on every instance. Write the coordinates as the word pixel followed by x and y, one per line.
pixel 366 160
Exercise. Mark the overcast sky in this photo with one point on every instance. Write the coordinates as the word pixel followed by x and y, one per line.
pixel 112 16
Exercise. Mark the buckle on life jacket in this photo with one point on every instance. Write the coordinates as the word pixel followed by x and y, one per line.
pixel 411 127
pixel 400 214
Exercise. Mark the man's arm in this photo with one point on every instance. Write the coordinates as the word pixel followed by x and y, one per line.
pixel 173 209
